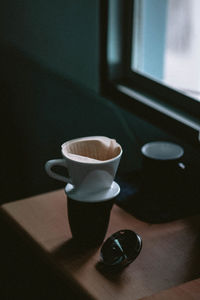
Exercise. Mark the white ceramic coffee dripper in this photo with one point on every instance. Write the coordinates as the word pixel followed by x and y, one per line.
pixel 91 164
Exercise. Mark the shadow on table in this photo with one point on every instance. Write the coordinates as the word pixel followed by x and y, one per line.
pixel 70 251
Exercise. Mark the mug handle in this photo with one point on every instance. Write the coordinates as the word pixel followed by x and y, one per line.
pixel 56 162
pixel 181 165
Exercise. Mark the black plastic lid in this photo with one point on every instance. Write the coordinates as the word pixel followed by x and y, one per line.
pixel 121 248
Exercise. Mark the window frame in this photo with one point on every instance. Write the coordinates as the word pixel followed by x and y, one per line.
pixel 178 114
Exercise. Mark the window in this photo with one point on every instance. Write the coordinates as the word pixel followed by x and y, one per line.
pixel 166 47
pixel 151 60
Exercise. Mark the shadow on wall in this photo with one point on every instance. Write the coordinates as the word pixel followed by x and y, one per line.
pixel 39 112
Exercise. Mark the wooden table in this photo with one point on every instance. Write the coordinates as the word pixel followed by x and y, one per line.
pixel 166 268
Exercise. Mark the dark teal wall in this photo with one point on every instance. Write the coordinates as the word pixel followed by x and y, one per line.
pixel 62 35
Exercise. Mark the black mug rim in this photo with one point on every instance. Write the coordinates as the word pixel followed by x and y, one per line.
pixel 153 158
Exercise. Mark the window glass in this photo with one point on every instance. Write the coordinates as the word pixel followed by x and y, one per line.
pixel 166 43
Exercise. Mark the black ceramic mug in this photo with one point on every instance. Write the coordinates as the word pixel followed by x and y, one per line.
pixel 89 221
pixel 89 214
pixel 163 186
pixel 162 163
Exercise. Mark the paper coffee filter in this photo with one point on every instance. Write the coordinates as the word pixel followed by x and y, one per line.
pixel 91 149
